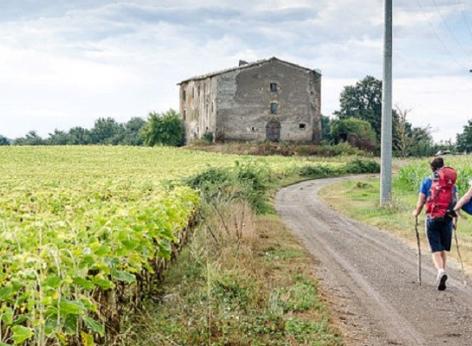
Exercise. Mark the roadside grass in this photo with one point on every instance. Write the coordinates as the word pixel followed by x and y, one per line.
pixel 242 280
pixel 359 199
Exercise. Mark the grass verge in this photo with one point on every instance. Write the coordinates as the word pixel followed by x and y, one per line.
pixel 359 199
pixel 243 280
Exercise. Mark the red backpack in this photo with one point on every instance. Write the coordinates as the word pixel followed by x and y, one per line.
pixel 441 198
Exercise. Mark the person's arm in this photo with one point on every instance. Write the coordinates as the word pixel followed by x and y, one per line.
pixel 464 200
pixel 420 204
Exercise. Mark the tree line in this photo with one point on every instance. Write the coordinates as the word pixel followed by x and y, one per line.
pixel 357 122
pixel 159 128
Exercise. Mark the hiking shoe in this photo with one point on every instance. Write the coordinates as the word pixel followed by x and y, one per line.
pixel 442 278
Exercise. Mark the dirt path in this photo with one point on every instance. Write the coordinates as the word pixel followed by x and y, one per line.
pixel 370 277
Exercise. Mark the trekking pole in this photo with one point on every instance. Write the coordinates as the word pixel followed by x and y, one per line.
pixel 419 249
pixel 459 254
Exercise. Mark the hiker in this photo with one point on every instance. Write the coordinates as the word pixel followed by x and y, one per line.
pixel 439 194
pixel 465 203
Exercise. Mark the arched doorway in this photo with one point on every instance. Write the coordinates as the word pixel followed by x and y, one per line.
pixel 273 130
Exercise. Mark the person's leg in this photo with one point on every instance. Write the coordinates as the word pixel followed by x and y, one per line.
pixel 443 255
pixel 445 231
pixel 438 261
pixel 434 232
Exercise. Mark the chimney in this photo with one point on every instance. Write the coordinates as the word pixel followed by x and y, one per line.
pixel 243 62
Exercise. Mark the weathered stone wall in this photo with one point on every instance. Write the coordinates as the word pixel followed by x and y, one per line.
pixel 244 103
pixel 198 107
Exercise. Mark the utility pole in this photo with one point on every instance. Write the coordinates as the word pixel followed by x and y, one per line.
pixel 386 139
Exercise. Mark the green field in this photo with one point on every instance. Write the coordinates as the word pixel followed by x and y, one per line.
pixel 82 228
pixel 359 199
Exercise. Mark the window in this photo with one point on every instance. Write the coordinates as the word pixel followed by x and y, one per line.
pixel 253 129
pixel 273 87
pixel 184 115
pixel 273 107
pixel 301 126
pixel 184 95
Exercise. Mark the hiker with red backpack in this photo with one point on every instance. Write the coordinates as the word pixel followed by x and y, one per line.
pixel 439 194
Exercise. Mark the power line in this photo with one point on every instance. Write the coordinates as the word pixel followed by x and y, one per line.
pixel 464 16
pixel 438 36
pixel 447 27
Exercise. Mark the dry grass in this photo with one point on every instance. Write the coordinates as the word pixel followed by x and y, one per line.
pixel 282 148
pixel 243 280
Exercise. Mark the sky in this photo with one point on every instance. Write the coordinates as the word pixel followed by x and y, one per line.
pixel 65 63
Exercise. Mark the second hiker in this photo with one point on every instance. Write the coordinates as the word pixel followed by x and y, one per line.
pixel 439 194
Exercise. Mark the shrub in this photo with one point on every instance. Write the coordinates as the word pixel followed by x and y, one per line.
pixel 326 150
pixel 208 137
pixel 247 181
pixel 211 182
pixel 356 132
pixel 164 129
pixel 318 171
pixel 359 166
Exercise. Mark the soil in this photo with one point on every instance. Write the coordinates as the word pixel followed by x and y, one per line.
pixel 370 277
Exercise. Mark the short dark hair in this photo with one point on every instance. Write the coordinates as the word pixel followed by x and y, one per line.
pixel 437 163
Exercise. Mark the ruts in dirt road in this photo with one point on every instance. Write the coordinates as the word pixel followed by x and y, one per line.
pixel 370 277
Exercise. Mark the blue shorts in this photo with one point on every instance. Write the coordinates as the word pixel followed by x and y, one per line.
pixel 439 234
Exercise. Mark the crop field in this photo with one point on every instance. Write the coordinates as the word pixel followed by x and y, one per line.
pixel 410 176
pixel 83 228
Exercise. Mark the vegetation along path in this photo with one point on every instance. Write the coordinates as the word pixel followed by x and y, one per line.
pixel 370 277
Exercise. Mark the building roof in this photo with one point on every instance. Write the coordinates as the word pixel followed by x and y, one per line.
pixel 248 65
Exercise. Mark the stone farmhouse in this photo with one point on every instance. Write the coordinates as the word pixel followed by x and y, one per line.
pixel 269 99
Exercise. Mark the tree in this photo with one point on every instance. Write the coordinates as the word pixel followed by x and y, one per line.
pixel 31 138
pixel 364 101
pixel 132 132
pixel 358 133
pixel 4 140
pixel 464 139
pixel 106 131
pixel 57 138
pixel 404 134
pixel 422 142
pixel 78 135
pixel 165 129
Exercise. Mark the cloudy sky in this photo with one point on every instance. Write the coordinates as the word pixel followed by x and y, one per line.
pixel 64 63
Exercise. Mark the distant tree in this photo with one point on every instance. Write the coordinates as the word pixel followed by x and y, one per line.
pixel 325 129
pixel 31 138
pixel 165 129
pixel 132 132
pixel 445 146
pixel 106 131
pixel 57 138
pixel 358 133
pixel 464 139
pixel 4 140
pixel 423 144
pixel 78 135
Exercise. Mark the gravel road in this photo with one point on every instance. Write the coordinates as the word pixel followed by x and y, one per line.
pixel 370 277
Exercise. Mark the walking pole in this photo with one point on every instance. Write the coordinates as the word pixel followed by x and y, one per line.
pixel 419 249
pixel 459 254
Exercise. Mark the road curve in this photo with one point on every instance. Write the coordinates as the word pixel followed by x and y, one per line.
pixel 370 277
